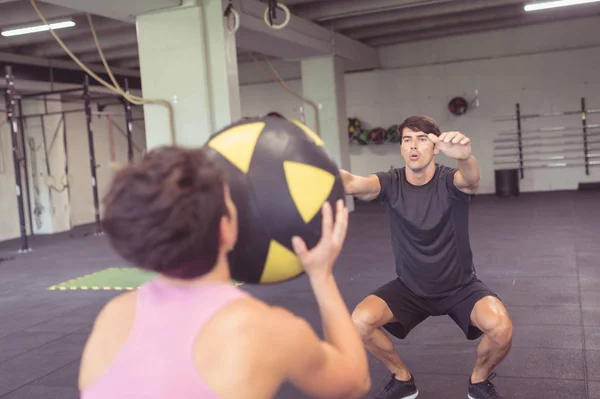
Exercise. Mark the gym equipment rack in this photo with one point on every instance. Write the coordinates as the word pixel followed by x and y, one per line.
pixel 15 118
pixel 520 139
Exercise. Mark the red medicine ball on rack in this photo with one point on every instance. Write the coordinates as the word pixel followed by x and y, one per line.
pixel 458 106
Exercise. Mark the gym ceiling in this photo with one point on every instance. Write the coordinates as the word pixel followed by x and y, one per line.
pixel 373 22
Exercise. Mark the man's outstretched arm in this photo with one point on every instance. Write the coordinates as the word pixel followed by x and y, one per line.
pixel 468 175
pixel 363 188
pixel 458 146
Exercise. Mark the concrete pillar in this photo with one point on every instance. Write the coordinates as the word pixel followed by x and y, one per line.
pixel 188 57
pixel 323 83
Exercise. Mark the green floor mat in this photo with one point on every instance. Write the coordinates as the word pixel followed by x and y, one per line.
pixel 114 278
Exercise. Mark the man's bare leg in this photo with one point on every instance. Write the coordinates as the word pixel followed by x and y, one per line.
pixel 369 316
pixel 491 317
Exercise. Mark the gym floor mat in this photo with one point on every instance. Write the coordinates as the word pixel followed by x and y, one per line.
pixel 114 278
pixel 539 252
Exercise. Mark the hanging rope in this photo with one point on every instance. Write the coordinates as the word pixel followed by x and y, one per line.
pixel 111 140
pixel 279 79
pixel 115 87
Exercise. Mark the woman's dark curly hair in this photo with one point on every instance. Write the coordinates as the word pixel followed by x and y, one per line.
pixel 163 212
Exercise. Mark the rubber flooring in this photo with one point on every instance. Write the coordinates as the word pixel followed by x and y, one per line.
pixel 539 252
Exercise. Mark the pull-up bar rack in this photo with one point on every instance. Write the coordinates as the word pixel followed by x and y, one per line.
pixel 520 141
pixel 11 105
pixel 15 119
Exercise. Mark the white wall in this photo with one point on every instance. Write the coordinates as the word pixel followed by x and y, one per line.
pixel 545 68
pixel 78 203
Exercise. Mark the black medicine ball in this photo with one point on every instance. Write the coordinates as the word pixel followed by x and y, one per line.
pixel 280 176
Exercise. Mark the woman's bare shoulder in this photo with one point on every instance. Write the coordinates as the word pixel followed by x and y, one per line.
pixel 253 338
pixel 109 333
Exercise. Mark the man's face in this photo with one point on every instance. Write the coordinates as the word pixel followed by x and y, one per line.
pixel 417 150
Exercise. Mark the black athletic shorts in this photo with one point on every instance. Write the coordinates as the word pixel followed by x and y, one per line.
pixel 412 310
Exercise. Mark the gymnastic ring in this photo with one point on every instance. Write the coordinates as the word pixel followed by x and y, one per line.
pixel 288 15
pixel 236 17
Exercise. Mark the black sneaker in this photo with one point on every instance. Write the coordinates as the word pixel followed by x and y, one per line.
pixel 484 390
pixel 396 389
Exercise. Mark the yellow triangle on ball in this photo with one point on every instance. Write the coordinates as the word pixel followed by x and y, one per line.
pixel 315 137
pixel 281 264
pixel 309 187
pixel 237 144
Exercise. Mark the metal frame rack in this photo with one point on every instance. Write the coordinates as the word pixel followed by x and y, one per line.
pixel 16 118
pixel 524 144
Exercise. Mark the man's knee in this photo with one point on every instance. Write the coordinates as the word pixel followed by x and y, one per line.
pixel 364 321
pixel 492 318
pixel 499 329
pixel 370 315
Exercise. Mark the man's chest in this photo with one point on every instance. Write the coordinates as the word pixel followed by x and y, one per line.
pixel 421 210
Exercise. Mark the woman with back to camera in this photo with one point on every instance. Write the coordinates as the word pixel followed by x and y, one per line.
pixel 190 333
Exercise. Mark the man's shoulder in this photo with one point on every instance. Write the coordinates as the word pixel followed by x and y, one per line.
pixel 445 170
pixel 392 174
pixel 446 179
pixel 393 171
pixel 389 179
pixel 445 174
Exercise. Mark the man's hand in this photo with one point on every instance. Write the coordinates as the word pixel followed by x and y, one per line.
pixel 453 144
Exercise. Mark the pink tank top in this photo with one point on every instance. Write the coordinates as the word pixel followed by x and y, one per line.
pixel 157 361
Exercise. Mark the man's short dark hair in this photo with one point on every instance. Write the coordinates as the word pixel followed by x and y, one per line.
pixel 419 123
pixel 163 212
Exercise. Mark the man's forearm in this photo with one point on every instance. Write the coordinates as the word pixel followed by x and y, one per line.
pixel 469 170
pixel 347 178
pixel 362 188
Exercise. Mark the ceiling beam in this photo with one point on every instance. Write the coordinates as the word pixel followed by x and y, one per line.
pixel 133 62
pixel 32 86
pixel 117 38
pixel 414 13
pixel 36 61
pixel 445 32
pixel 122 10
pixel 334 9
pixel 294 3
pixel 244 57
pixel 113 54
pixel 19 13
pixel 462 29
pixel 300 38
pixel 438 22
pixel 82 28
